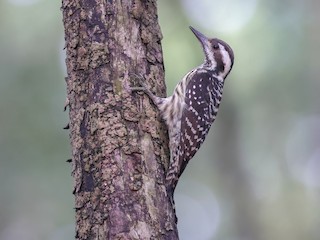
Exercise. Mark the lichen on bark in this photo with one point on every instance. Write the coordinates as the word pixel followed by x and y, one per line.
pixel 119 144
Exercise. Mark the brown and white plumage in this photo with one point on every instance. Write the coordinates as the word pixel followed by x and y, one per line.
pixel 193 106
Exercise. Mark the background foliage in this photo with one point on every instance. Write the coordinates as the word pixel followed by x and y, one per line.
pixel 257 175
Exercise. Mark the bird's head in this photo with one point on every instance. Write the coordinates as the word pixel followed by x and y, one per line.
pixel 218 54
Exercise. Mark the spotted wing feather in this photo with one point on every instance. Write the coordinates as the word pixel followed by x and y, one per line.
pixel 202 99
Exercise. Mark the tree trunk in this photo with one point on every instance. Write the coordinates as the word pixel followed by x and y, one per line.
pixel 119 145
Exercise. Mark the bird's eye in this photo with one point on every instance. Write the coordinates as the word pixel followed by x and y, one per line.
pixel 216 46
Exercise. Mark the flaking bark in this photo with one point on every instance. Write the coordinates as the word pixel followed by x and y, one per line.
pixel 119 145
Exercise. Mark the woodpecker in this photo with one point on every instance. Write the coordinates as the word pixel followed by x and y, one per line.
pixel 193 106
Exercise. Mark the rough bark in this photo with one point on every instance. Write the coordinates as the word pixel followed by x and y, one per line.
pixel 119 145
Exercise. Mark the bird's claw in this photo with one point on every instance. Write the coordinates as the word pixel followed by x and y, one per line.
pixel 141 82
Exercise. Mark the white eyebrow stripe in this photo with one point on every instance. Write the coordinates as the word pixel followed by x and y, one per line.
pixel 225 59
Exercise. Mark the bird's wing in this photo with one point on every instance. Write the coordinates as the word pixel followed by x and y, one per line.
pixel 199 113
pixel 202 99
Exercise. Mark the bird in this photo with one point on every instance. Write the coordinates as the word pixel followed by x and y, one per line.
pixel 192 108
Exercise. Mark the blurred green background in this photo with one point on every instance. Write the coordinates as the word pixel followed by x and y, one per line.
pixel 257 177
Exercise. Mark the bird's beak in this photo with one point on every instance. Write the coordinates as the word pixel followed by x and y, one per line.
pixel 202 38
